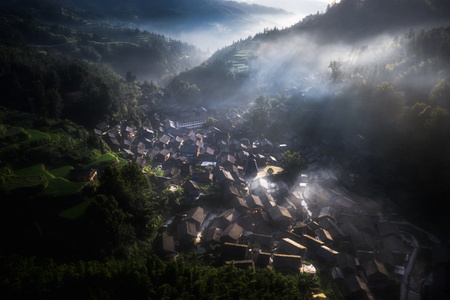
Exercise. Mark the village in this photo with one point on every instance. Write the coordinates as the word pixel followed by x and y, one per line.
pixel 329 219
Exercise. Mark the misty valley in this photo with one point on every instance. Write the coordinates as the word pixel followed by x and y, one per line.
pixel 307 157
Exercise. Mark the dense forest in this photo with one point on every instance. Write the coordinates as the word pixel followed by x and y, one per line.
pixel 146 278
pixel 150 56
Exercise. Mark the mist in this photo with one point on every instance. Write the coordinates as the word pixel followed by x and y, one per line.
pixel 299 63
pixel 303 8
pixel 212 36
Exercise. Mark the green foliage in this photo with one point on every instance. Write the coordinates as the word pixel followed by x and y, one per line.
pixel 440 93
pixel 76 211
pixel 209 122
pixel 147 278
pixel 185 92
pixel 58 86
pixel 138 205
pixel 61 171
pixel 213 195
pixel 110 230
pixel 104 160
pixel 62 187
pixel 153 171
pixel 292 164
pixel 259 115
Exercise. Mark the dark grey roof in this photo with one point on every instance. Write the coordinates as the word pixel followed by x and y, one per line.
pixel 197 214
pixel 234 231
pixel 278 213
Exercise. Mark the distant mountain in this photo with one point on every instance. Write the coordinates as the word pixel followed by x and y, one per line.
pixel 197 22
pixel 149 56
pixel 350 20
pixel 174 10
pixel 271 60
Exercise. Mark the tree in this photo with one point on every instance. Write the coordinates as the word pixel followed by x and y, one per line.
pixel 109 228
pixel 258 117
pixel 135 194
pixel 209 122
pixel 440 93
pixel 292 164
pixel 336 72
pixel 55 103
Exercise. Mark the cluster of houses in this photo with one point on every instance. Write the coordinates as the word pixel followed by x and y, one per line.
pixel 264 229
pixel 178 148
pixel 262 223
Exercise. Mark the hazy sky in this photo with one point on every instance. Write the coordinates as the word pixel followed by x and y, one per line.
pixel 296 6
pixel 218 35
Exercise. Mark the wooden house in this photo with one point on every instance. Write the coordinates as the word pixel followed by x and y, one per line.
pixel 263 240
pixel 191 189
pixel 163 141
pixel 262 259
pixel 164 245
pixel 196 215
pixel 280 215
pixel 226 218
pixel 202 177
pixel 267 200
pixel 187 232
pixel 189 150
pixel 213 235
pixel 232 233
pixel 162 156
pixel 326 254
pixel 253 201
pixel 288 246
pixel 311 243
pixel 266 145
pixel 259 186
pixel 375 271
pixel 346 263
pixel 324 236
pixel 363 241
pixel 223 177
pixel 233 251
pixel 287 262
pixel 356 288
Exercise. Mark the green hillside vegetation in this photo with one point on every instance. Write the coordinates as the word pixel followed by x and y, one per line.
pixel 148 55
pixel 77 211
pixel 61 171
pixel 104 160
pixel 62 187
pixel 21 148
pixel 146 278
pixel 27 184
pixel 38 176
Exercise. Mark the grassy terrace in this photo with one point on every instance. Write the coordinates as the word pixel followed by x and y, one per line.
pixel 75 212
pixel 105 159
pixel 57 186
pixel 62 171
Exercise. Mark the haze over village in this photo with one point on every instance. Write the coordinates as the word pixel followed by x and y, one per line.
pixel 212 149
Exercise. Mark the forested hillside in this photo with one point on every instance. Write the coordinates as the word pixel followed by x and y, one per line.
pixel 369 81
pixel 192 13
pixel 150 56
